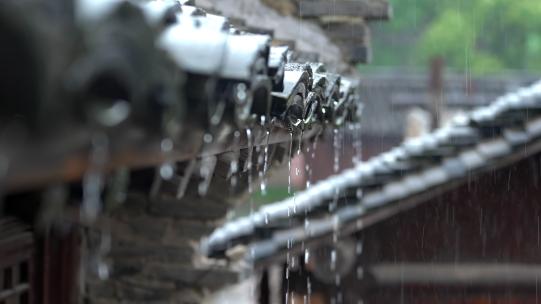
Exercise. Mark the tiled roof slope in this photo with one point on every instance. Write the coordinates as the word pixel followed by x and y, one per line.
pixel 487 138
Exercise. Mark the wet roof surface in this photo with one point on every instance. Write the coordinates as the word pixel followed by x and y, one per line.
pixel 479 140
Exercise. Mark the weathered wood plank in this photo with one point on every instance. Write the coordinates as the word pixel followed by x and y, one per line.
pixel 349 31
pixel 355 53
pixel 367 9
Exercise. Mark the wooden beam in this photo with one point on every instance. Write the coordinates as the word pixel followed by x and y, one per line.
pixel 474 274
pixel 60 162
pixel 366 9
pixel 353 38
pixel 348 31
pixel 355 52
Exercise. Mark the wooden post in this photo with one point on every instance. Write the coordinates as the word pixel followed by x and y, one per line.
pixel 435 86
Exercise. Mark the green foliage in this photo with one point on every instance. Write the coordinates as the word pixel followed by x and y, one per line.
pixel 450 37
pixel 481 36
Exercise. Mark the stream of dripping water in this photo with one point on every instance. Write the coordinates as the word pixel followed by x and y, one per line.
pixel 234 166
pixel 357 143
pixel 313 156
pixel 289 163
pixel 289 191
pixel 248 167
pixel 299 150
pixel 208 164
pixel 336 145
pixel 93 179
pixel 206 171
pixel 265 164
pixel 188 172
pixel 165 171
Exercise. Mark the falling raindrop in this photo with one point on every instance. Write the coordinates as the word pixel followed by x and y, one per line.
pixel 167 145
pixel 104 249
pixel 260 159
pixel 103 271
pixel 167 171
pixel 248 168
pixel 360 273
pixel 359 193
pixel 314 145
pixel 207 138
pixel 309 288
pixel 308 169
pixel 359 247
pixel 333 259
pixel 98 246
pixel 299 149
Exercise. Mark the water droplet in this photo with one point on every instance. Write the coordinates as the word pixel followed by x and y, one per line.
pixel 359 247
pixel 208 164
pixel 333 259
pixel 167 145
pixel 360 273
pixel 359 193
pixel 166 171
pixel 207 138
pixel 103 271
